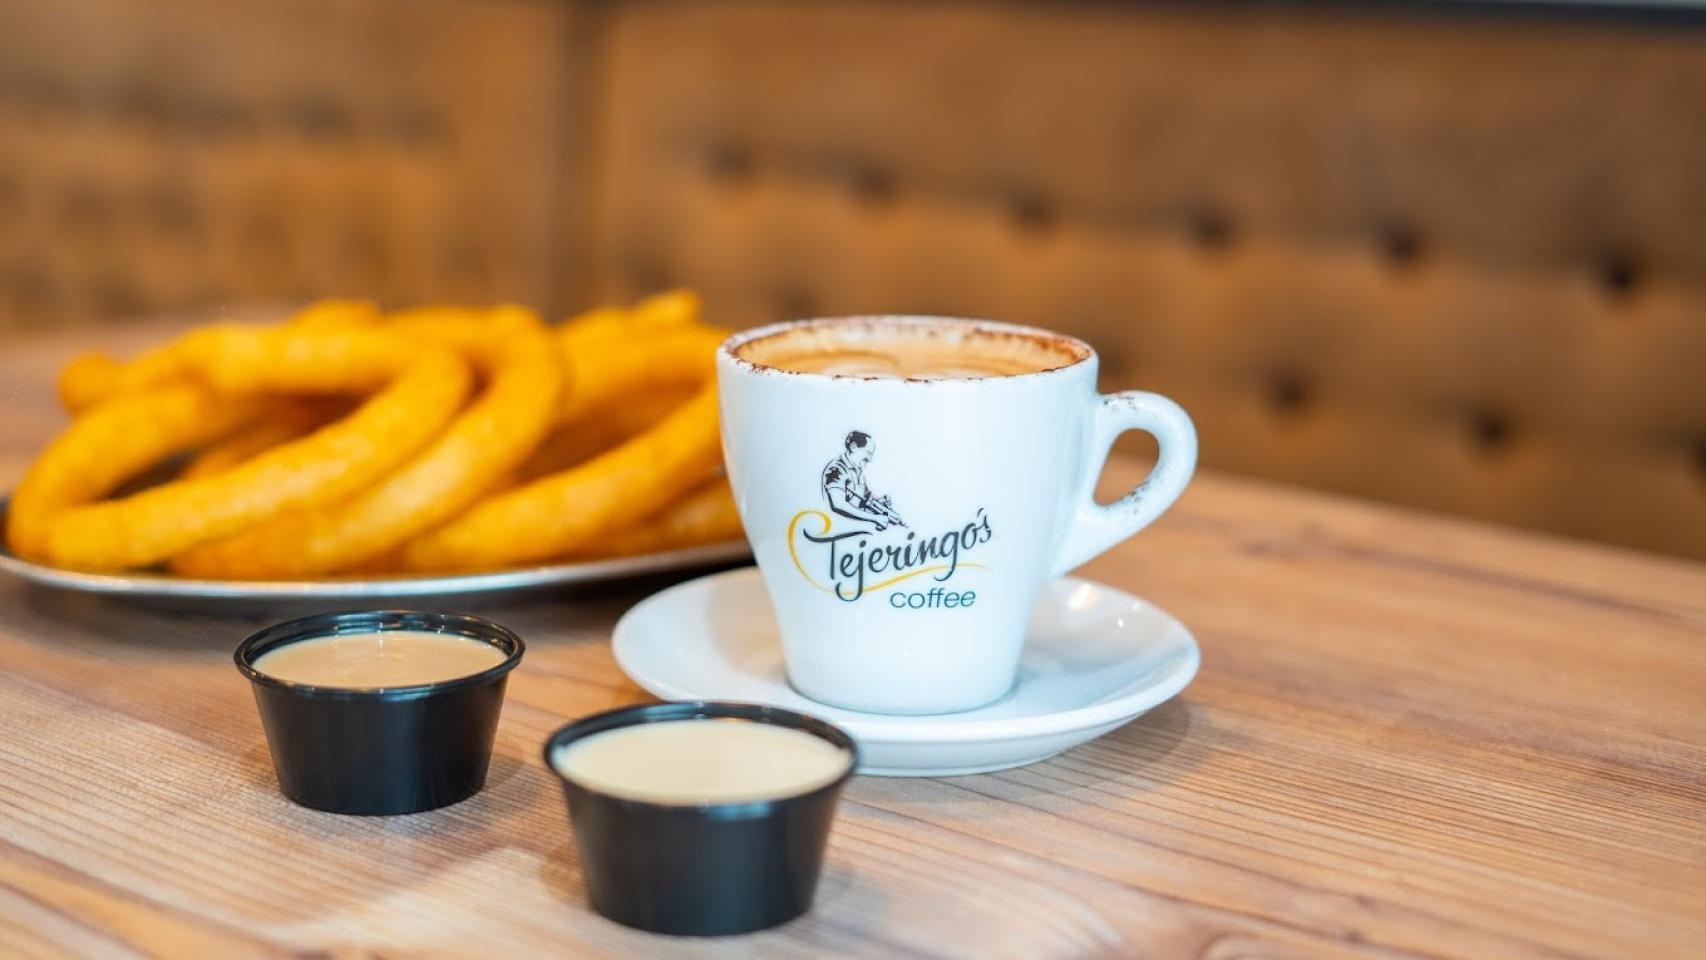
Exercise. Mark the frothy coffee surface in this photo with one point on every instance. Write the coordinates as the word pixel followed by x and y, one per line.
pixel 925 350
pixel 702 761
pixel 385 658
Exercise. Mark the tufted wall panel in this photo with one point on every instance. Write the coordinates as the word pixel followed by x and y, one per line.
pixel 1433 256
pixel 186 152
pixel 1444 259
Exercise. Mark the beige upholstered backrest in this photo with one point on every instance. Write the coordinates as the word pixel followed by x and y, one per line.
pixel 1446 259
pixel 1435 256
pixel 189 152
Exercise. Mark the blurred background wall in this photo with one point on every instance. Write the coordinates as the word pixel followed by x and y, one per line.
pixel 168 154
pixel 1444 255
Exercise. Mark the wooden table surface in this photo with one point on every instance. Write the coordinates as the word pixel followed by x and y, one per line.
pixel 1411 737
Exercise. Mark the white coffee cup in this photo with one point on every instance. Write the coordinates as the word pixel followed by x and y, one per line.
pixel 904 527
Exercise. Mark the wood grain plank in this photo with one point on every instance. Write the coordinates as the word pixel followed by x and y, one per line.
pixel 1411 737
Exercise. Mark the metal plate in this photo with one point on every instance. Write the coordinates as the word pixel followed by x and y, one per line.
pixel 164 585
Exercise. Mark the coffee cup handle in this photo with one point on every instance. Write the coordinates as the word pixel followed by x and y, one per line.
pixel 1094 528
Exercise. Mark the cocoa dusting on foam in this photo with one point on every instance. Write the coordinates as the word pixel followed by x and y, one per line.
pixel 910 350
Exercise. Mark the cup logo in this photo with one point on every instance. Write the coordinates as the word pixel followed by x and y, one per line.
pixel 859 545
pixel 845 490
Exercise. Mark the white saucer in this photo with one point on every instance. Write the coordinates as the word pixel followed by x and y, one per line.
pixel 1095 658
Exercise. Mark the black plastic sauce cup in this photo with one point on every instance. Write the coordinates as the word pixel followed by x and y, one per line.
pixel 704 869
pixel 384 750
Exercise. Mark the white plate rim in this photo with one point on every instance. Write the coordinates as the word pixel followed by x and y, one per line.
pixel 159 585
pixel 1150 692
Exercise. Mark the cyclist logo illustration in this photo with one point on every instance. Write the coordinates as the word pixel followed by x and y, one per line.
pixel 845 490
